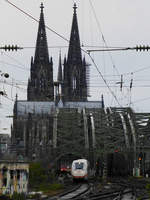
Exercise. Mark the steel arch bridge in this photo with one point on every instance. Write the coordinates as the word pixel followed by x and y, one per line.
pixel 92 132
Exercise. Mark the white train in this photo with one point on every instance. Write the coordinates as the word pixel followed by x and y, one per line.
pixel 80 169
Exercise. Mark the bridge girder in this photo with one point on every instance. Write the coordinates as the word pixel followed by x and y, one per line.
pixel 82 131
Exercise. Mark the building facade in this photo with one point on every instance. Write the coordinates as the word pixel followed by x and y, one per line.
pixel 14 177
pixel 34 121
pixel 4 143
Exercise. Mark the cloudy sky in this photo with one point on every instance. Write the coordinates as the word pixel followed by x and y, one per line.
pixel 102 23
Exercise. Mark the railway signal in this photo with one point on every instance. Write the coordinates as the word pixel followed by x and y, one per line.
pixel 140 156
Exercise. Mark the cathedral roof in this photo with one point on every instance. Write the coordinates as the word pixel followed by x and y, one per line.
pixel 34 107
pixel 25 107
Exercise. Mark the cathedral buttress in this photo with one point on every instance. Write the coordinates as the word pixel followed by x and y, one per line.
pixel 75 78
pixel 40 84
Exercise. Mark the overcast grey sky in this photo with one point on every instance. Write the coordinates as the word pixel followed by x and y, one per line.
pixel 120 23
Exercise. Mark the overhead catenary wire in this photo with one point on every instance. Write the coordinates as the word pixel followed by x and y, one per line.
pixel 105 81
pixel 14 59
pixel 82 46
pixel 140 100
pixel 116 49
pixel 67 40
pixel 61 36
pixel 17 66
pixel 106 45
pixel 103 38
pixel 14 85
pixel 17 85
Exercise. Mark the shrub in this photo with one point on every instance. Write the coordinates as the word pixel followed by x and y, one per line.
pixel 37 174
pixel 17 196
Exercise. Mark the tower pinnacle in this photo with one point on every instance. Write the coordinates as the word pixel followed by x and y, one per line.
pixel 41 7
pixel 75 7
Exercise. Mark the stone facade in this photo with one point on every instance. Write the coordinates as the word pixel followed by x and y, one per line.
pixel 34 123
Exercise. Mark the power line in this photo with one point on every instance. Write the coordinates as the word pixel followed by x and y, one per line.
pixel 64 46
pixel 140 100
pixel 18 62
pixel 17 66
pixel 105 81
pixel 137 48
pixel 30 16
pixel 36 20
pixel 103 38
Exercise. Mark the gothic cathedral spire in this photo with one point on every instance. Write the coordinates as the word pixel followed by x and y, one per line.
pixel 75 79
pixel 40 84
pixel 60 77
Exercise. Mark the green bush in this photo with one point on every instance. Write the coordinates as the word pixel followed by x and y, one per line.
pixel 17 196
pixel 37 174
pixel 148 187
pixel 41 179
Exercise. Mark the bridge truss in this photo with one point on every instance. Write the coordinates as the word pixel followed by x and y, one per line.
pixel 93 133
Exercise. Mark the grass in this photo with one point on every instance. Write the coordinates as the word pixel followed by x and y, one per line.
pixel 50 189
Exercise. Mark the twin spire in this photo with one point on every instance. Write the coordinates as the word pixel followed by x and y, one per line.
pixel 71 75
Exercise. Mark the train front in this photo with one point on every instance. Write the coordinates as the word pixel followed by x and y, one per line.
pixel 79 169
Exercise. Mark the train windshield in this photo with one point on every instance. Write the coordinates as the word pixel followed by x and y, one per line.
pixel 79 165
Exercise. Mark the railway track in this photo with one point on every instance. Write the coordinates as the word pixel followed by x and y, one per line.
pixel 74 193
pixel 133 189
pixel 114 190
pixel 82 192
pixel 123 189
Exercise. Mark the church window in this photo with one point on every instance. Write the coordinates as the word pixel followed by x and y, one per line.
pixel 35 83
pixel 41 57
pixel 74 83
pixel 41 34
pixel 42 83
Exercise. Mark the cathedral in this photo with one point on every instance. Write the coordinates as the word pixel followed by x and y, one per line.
pixel 34 123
